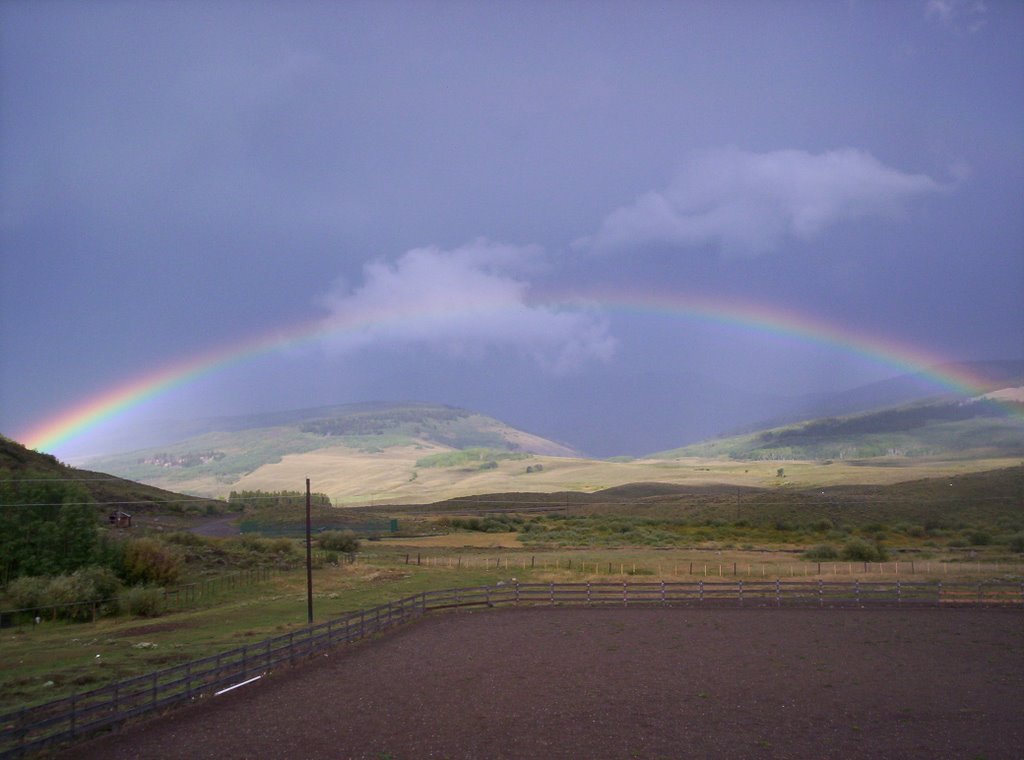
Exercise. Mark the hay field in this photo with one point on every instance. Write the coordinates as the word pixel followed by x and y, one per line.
pixel 355 478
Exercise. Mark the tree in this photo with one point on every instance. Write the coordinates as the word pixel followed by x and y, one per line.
pixel 47 527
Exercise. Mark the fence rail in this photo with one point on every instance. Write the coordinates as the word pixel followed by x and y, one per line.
pixel 707 568
pixel 80 715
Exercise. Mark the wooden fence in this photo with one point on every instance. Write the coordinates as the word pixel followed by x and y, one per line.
pixel 81 715
pixel 697 568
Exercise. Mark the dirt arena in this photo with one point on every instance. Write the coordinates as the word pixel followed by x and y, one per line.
pixel 627 683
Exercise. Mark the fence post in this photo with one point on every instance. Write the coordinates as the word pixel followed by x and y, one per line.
pixel 899 592
pixel 741 592
pixel 938 593
pixel 517 593
pixel 588 592
pixel 625 593
pixel 821 598
pixel 552 593
pixel 778 592
pixel 663 592
pixel 701 584
pixel 856 588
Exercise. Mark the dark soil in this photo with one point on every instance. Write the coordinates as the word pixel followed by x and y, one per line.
pixel 628 683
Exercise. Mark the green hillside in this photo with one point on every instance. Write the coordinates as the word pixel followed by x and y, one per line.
pixel 946 429
pixel 211 462
pixel 22 469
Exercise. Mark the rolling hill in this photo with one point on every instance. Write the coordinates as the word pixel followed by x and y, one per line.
pixel 366 446
pixel 370 454
pixel 986 426
pixel 21 465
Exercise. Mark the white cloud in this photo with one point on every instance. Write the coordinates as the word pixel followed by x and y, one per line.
pixel 463 302
pixel 958 14
pixel 747 203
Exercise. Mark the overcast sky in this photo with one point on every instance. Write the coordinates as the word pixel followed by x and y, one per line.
pixel 180 177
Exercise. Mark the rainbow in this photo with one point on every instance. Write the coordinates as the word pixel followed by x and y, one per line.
pixel 80 418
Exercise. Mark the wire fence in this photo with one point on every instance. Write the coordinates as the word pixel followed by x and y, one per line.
pixel 81 715
pixel 175 598
pixel 697 568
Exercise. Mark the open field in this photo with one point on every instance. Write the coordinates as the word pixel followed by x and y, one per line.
pixel 628 683
pixel 356 477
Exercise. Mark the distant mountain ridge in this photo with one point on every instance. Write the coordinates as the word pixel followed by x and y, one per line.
pixel 895 391
pixel 981 426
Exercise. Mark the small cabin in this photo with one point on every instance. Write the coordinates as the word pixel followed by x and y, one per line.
pixel 119 519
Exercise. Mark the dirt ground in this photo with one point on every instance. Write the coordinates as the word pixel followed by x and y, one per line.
pixel 627 683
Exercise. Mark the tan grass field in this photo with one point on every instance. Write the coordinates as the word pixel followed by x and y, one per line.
pixel 457 541
pixel 356 478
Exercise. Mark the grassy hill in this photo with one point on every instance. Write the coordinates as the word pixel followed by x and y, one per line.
pixel 18 463
pixel 953 429
pixel 371 446
pixel 418 453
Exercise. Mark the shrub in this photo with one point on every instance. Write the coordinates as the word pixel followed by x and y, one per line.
pixel 149 561
pixel 979 538
pixel 27 592
pixel 143 601
pixel 858 550
pixel 821 551
pixel 339 541
pixel 86 590
pixel 278 545
pixel 184 538
pixel 1016 543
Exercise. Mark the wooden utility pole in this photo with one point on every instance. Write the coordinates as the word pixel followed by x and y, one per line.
pixel 309 560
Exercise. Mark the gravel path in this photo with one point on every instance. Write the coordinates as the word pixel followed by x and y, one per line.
pixel 628 683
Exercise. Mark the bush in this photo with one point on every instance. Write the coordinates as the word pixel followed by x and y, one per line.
pixel 339 541
pixel 1016 543
pixel 979 538
pixel 858 550
pixel 184 538
pixel 143 601
pixel 149 561
pixel 86 590
pixel 27 592
pixel 822 551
